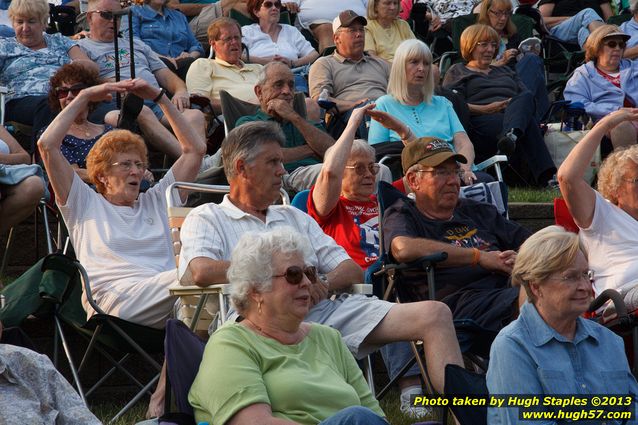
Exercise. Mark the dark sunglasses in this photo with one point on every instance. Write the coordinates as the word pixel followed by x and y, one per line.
pixel 294 274
pixel 63 92
pixel 613 43
pixel 269 4
pixel 105 14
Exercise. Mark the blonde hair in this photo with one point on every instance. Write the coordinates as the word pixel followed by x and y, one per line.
pixel 397 84
pixel 594 42
pixel 474 34
pixel 612 169
pixel 38 9
pixel 484 18
pixel 372 8
pixel 101 155
pixel 548 251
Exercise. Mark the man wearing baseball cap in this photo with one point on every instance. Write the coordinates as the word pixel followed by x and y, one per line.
pixel 480 243
pixel 349 75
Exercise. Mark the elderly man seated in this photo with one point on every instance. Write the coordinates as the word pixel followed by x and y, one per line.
pixel 207 77
pixel 480 243
pixel 99 47
pixel 350 75
pixel 253 164
pixel 306 142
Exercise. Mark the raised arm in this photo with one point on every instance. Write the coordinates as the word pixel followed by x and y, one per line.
pixel 58 168
pixel 328 186
pixel 578 194
pixel 193 146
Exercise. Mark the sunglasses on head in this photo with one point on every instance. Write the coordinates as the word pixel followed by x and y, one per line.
pixel 269 4
pixel 612 44
pixel 294 274
pixel 63 92
pixel 105 14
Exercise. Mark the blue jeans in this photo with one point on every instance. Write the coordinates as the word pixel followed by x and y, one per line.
pixel 575 29
pixel 355 415
pixel 531 71
pixel 395 356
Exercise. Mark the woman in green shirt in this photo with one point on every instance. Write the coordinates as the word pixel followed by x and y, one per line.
pixel 272 367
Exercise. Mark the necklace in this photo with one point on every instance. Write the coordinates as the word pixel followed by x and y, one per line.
pixel 261 330
pixel 84 129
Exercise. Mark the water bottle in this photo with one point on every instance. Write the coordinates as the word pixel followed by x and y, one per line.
pixel 573 114
pixel 323 100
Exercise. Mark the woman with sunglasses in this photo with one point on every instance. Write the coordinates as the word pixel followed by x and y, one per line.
pixel 30 59
pixel 550 349
pixel 607 82
pixel 268 40
pixel 502 110
pixel 120 235
pixel 276 368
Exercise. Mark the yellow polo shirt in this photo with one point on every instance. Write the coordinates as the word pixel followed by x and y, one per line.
pixel 207 77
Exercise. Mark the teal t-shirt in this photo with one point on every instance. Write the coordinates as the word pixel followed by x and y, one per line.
pixel 306 382
pixel 294 138
pixel 434 119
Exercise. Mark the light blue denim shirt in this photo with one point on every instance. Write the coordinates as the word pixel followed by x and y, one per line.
pixel 168 35
pixel 529 357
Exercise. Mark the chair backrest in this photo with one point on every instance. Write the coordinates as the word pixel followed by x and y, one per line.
pixel 300 201
pixel 184 351
pixel 563 217
pixel 243 20
pixel 3 95
pixel 233 108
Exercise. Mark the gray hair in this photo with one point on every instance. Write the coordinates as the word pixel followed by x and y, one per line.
pixel 263 72
pixel 244 142
pixel 361 146
pixel 251 261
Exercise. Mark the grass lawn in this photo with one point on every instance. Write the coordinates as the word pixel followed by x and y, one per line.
pixel 519 194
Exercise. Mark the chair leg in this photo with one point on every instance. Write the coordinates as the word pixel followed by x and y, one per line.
pixel 367 368
pixel 69 357
pixel 135 399
pixel 7 248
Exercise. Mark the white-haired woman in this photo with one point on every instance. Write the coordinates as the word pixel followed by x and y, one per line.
pixel 550 348
pixel 607 217
pixel 276 368
pixel 410 99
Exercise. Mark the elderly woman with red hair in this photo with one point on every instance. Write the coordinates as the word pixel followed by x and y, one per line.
pixel 119 234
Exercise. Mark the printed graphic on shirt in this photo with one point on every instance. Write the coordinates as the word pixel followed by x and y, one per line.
pixel 466 237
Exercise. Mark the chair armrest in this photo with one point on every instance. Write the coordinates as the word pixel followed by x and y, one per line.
pixel 617 300
pixel 180 291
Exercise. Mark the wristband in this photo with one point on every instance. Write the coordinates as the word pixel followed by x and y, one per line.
pixel 476 257
pixel 159 96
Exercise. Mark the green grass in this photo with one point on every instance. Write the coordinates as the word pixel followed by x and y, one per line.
pixel 520 194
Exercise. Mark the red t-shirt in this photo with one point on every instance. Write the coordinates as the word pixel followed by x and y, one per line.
pixel 354 225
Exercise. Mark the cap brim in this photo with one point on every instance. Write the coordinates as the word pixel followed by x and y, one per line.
pixel 439 158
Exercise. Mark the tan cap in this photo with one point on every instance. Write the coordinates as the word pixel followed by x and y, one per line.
pixel 428 151
pixel 618 34
pixel 346 18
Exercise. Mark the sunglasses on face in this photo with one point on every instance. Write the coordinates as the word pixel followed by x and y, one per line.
pixel 105 14
pixel 612 44
pixel 294 274
pixel 63 92
pixel 361 169
pixel 269 4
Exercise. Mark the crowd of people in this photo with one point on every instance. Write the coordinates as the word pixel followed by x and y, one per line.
pixel 333 86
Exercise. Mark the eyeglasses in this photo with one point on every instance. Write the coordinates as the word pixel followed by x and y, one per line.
pixel 353 30
pixel 105 14
pixel 632 181
pixel 361 169
pixel 229 39
pixel 444 173
pixel 612 44
pixel 587 276
pixel 484 44
pixel 502 14
pixel 128 165
pixel 294 274
pixel 269 4
pixel 63 92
